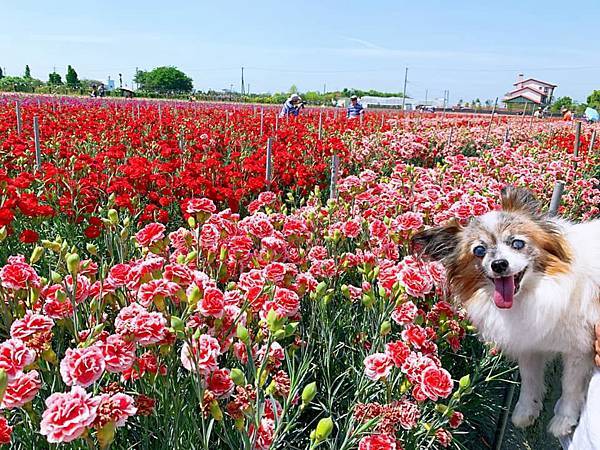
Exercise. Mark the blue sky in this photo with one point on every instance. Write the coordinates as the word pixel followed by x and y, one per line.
pixel 473 48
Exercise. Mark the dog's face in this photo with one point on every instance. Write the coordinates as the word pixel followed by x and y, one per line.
pixel 498 251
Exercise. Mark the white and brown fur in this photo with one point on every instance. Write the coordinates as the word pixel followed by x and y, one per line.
pixel 555 308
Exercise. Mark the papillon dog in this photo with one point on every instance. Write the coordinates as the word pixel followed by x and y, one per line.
pixel 530 283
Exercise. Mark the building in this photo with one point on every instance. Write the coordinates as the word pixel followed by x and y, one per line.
pixel 110 84
pixel 387 102
pixel 529 90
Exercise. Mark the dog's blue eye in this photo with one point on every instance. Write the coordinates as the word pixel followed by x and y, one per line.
pixel 517 244
pixel 479 251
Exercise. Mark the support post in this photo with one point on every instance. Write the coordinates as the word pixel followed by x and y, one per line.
pixel 491 120
pixel 557 193
pixel 19 121
pixel 36 139
pixel 320 125
pixel 262 120
pixel 577 139
pixel 507 134
pixel 269 162
pixel 335 168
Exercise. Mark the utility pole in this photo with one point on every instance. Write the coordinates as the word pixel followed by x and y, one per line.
pixel 426 92
pixel 404 91
pixel 137 85
pixel 324 88
pixel 242 90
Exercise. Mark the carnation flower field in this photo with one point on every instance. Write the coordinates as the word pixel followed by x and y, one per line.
pixel 156 291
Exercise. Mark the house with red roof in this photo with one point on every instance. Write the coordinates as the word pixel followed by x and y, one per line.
pixel 529 90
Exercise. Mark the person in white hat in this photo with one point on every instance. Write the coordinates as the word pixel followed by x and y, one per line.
pixel 292 106
pixel 355 109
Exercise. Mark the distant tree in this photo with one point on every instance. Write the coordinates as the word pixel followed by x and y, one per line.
pixel 54 79
pixel 312 97
pixel 371 92
pixel 27 71
pixel 293 89
pixel 1 74
pixel 164 79
pixel 19 84
pixel 71 77
pixel 593 100
pixel 560 103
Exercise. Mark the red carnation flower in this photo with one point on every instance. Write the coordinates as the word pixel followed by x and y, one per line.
pixel 29 237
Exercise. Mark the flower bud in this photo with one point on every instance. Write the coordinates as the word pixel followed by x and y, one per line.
pixel 3 233
pixel 321 287
pixel 126 222
pixel 465 382
pixel 345 290
pixel 308 393
pixel 3 383
pixel 37 253
pixel 61 296
pixel 385 328
pixel 113 216
pixel 368 300
pixel 106 435
pixel 215 411
pixel 191 256
pixel 270 390
pixel 177 324
pixel 239 423
pixel 242 333
pixel 73 263
pixel 191 222
pixel 238 377
pixel 92 249
pixel 441 408
pixel 274 321
pixel 55 277
pixel 324 429
pixel 194 296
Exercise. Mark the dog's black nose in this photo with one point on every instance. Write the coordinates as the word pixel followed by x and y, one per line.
pixel 499 265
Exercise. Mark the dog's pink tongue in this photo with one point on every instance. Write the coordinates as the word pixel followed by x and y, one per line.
pixel 504 292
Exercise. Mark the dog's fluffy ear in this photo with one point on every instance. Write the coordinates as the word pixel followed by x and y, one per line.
pixel 437 243
pixel 516 199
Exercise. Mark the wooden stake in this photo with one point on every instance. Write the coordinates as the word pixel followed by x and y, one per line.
pixel 592 140
pixel 262 120
pixel 36 139
pixel 159 117
pixel 321 125
pixel 335 168
pixel 577 139
pixel 19 121
pixel 491 120
pixel 524 112
pixel 559 188
pixel 507 134
pixel 269 162
pixel 450 137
